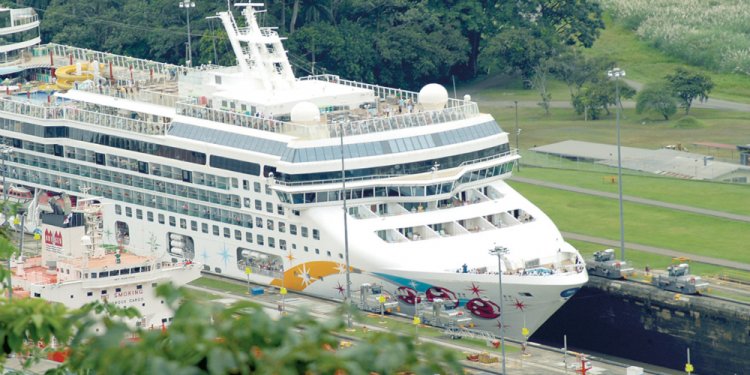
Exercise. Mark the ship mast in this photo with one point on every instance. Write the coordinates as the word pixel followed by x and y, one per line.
pixel 259 51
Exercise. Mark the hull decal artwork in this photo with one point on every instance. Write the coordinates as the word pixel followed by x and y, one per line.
pixel 302 275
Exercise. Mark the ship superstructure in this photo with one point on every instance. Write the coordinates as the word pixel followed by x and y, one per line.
pixel 240 168
pixel 74 269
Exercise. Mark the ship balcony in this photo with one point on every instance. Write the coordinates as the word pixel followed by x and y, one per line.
pixel 457 227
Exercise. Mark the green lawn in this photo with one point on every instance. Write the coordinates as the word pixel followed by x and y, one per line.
pixel 225 286
pixel 641 259
pixel 635 130
pixel 703 194
pixel 647 225
pixel 646 64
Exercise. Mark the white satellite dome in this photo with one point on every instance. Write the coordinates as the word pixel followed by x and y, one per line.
pixel 305 113
pixel 433 97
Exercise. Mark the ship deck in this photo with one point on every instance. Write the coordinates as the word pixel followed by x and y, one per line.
pixel 142 96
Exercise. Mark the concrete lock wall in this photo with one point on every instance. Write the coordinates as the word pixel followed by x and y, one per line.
pixel 642 323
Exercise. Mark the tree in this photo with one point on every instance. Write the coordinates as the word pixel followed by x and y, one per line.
pixel 656 98
pixel 598 95
pixel 516 50
pixel 539 82
pixel 688 86
pixel 575 69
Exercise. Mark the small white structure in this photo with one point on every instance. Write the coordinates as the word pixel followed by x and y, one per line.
pixel 433 97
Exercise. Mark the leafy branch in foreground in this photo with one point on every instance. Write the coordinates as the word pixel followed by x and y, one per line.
pixel 206 338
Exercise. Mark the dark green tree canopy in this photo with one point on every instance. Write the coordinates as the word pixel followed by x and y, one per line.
pixel 656 98
pixel 688 86
pixel 404 43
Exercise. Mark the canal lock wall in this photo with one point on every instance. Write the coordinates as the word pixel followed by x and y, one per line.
pixel 642 323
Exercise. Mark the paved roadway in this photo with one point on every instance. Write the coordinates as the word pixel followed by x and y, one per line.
pixel 645 248
pixel 541 361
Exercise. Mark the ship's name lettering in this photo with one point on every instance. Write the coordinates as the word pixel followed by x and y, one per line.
pixel 128 293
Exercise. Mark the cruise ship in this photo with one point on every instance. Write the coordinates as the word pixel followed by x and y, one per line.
pixel 240 169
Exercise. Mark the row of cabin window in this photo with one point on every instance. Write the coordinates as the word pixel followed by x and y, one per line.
pixel 123 271
pixel 269 224
pixel 117 290
pixel 103 292
pixel 259 206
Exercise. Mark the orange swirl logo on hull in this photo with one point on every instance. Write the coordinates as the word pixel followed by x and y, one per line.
pixel 302 275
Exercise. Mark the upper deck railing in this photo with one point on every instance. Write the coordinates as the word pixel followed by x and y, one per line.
pixel 62 55
pixel 76 114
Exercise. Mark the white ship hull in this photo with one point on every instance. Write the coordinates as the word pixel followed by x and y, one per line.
pixel 138 292
pixel 404 269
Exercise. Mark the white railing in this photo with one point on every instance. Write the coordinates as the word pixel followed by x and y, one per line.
pixel 236 118
pixel 29 109
pixel 409 120
pixel 63 53
pixel 115 122
pixel 76 114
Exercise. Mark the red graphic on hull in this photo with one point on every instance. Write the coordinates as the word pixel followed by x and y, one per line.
pixel 483 308
pixel 437 292
pixel 407 295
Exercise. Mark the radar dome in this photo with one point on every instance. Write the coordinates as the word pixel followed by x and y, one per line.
pixel 305 113
pixel 433 97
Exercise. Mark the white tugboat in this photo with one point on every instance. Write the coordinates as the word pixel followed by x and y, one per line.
pixel 75 268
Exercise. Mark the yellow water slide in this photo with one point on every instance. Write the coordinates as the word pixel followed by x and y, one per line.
pixel 68 75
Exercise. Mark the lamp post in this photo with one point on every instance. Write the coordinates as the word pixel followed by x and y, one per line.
pixel 5 150
pixel 346 231
pixel 616 74
pixel 271 183
pixel 500 251
pixel 187 4
pixel 22 212
pixel 518 132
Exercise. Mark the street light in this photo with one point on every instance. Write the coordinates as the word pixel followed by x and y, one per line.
pixel 616 74
pixel 346 231
pixel 5 150
pixel 518 132
pixel 187 5
pixel 500 251
pixel 270 186
pixel 22 212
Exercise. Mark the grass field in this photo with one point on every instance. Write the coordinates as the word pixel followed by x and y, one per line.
pixel 647 225
pixel 642 62
pixel 227 286
pixel 646 64
pixel 635 130
pixel 704 194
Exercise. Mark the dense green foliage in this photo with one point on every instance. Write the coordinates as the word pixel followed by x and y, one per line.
pixel 656 98
pixel 206 338
pixel 402 43
pixel 688 86
pixel 711 34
